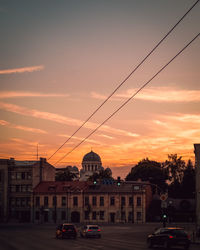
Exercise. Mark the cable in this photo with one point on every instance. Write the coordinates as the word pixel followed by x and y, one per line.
pixel 128 100
pixel 126 78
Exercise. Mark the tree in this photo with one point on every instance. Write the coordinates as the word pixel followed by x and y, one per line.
pixel 65 176
pixel 175 167
pixel 102 175
pixel 151 171
pixel 188 181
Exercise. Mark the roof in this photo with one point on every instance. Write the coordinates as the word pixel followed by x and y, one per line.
pixel 80 186
pixel 92 156
pixel 60 186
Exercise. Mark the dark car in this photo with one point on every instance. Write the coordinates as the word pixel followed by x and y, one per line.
pixel 168 237
pixel 90 231
pixel 66 231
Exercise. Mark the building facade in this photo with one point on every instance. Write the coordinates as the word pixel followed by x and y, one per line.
pixel 85 202
pixel 197 173
pixel 18 178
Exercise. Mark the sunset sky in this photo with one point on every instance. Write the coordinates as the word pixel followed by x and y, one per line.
pixel 60 59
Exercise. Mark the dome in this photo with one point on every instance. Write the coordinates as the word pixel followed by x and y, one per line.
pixel 92 156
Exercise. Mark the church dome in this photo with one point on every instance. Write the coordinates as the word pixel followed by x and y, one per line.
pixel 92 156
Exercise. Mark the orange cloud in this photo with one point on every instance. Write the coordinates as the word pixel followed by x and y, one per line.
pixel 21 70
pixel 163 94
pixel 14 94
pixel 28 129
pixel 61 119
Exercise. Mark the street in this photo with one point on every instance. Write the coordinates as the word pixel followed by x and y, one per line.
pixel 29 237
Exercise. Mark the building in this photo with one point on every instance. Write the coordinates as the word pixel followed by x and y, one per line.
pixel 85 202
pixel 91 163
pixel 3 188
pixel 197 172
pixel 74 170
pixel 17 180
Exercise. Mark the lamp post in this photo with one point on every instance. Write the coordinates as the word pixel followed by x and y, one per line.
pixel 163 198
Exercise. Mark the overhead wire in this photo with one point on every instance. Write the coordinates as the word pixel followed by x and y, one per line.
pixel 128 100
pixel 127 77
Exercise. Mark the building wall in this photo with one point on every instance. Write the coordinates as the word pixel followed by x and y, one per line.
pixel 17 180
pixel 99 213
pixel 3 190
pixel 197 171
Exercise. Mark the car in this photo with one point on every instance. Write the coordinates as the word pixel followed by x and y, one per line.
pixel 168 237
pixel 66 230
pixel 90 231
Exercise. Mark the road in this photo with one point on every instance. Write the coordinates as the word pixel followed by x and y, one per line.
pixel 40 237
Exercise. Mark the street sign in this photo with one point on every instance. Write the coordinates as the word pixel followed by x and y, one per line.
pixel 163 197
pixel 163 204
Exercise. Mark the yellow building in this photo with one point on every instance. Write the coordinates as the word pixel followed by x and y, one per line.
pixel 85 202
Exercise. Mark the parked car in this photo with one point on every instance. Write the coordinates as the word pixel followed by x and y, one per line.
pixel 90 231
pixel 66 231
pixel 168 237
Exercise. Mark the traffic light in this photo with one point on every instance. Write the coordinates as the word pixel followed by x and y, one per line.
pixel 164 216
pixel 118 181
pixel 164 219
pixel 95 181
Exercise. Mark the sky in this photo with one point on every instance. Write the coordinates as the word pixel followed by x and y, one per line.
pixel 59 60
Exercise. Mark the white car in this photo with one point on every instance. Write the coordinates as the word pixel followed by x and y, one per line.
pixel 90 231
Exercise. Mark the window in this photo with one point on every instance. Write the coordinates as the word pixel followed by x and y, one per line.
pixel 63 215
pixel 87 215
pixel 101 201
pixel 123 216
pixel 101 215
pixel 123 203
pixel 130 201
pixel 12 188
pixel 46 201
pixel 75 201
pixel 94 215
pixel 23 176
pixel 13 176
pixel 86 200
pixel 37 215
pixel 136 187
pixel 112 201
pixel 12 202
pixel 29 188
pixel 94 200
pixel 18 189
pixel 23 202
pixel 54 200
pixel 29 176
pixel 63 201
pixel 139 215
pixel 18 202
pixel 37 201
pixel 28 201
pixel 139 201
pixel 23 188
pixel 19 175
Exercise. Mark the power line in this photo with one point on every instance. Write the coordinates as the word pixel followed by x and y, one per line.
pixel 132 72
pixel 128 100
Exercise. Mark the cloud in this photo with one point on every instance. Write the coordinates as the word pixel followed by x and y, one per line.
pixel 14 94
pixel 21 70
pixel 163 94
pixel 106 136
pixel 61 119
pixel 28 129
pixel 81 138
